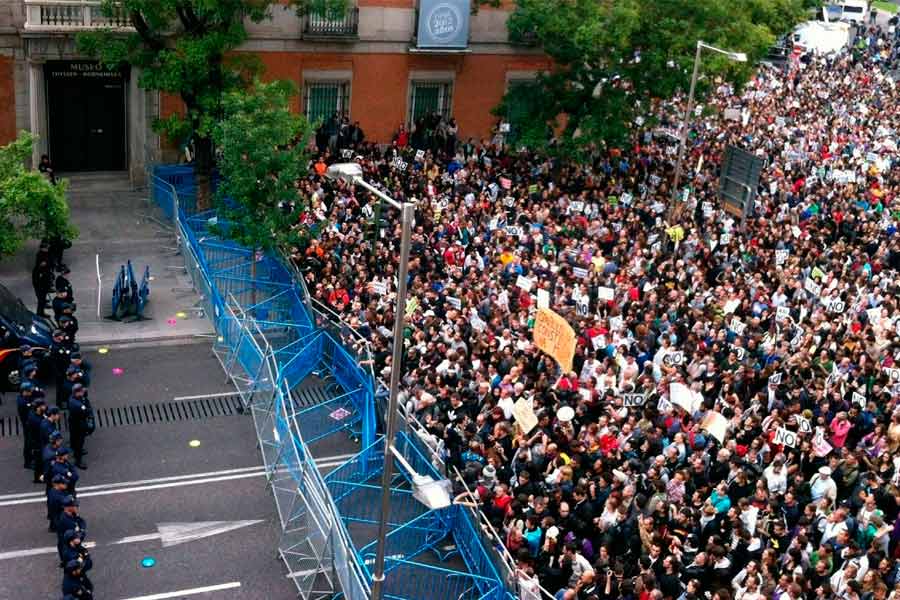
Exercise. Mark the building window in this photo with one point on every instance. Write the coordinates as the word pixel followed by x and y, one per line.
pixel 429 97
pixel 321 99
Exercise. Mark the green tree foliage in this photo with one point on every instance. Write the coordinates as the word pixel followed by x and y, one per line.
pixel 613 58
pixel 263 154
pixel 185 48
pixel 30 206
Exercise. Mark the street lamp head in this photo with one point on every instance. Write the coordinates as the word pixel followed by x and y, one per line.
pixel 738 56
pixel 348 172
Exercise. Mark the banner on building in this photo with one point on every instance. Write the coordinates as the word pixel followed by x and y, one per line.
pixel 443 24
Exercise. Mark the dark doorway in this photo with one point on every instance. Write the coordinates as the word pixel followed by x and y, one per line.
pixel 86 116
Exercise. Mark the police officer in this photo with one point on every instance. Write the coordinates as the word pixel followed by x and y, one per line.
pixel 74 550
pixel 33 434
pixel 62 283
pixel 69 325
pixel 60 359
pixel 42 282
pixel 62 466
pixel 68 310
pixel 26 357
pixel 59 300
pixel 84 366
pixel 80 413
pixel 69 519
pixel 75 582
pixel 49 425
pixel 23 407
pixel 55 497
pixel 73 376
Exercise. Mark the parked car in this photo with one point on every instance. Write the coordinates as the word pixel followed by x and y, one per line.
pixel 19 326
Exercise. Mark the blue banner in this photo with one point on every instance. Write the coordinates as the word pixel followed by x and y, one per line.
pixel 443 24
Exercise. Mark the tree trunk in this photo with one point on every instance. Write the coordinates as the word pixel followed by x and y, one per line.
pixel 203 168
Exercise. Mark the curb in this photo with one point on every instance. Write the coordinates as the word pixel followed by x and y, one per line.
pixel 174 340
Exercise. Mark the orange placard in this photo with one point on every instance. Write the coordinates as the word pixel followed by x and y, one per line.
pixel 555 336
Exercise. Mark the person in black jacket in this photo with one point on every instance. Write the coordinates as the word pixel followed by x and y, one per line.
pixel 74 550
pixel 42 282
pixel 76 582
pixel 80 415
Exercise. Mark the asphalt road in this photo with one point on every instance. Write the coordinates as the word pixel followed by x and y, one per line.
pixel 143 473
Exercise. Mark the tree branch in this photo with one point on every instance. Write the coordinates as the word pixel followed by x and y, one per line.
pixel 143 30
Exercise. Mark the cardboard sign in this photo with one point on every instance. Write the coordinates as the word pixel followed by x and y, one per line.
pixel 785 437
pixel 476 323
pixel 580 272
pixel 782 313
pixel 737 326
pixel 716 425
pixel 400 164
pixel 681 395
pixel 674 359
pixel 524 283
pixel 774 379
pixel 605 293
pixel 347 153
pixel 725 239
pixel 454 302
pixel 582 308
pixel 739 352
pixel 821 447
pixel 513 230
pixel 553 334
pixel 859 399
pixel 523 413
pixel 543 298
pixel 893 374
pixel 664 406
pixel 630 400
pixel 420 155
pixel 598 342
pixel 781 257
pixel 803 422
pixel 836 306
pixel 616 323
pixel 577 206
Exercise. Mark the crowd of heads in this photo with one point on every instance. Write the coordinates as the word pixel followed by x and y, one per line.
pixel 730 425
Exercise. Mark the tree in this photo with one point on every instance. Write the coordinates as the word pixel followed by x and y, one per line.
pixel 186 48
pixel 264 153
pixel 613 58
pixel 30 206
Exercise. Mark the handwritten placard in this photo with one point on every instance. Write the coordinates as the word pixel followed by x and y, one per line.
pixel 605 293
pixel 524 283
pixel 555 336
pixel 630 400
pixel 785 437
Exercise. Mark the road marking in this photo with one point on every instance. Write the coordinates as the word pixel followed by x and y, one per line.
pixel 85 491
pixel 173 534
pixel 190 592
pixel 205 396
pixel 36 551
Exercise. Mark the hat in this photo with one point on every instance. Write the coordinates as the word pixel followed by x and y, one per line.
pixel 69 501
pixel 26 386
pixel 38 402
pixel 53 410
pixel 71 534
pixel 75 355
pixel 60 478
pixel 825 471
pixel 553 532
pixel 62 451
pixel 489 473
pixel 77 387
pixel 55 435
pixel 73 369
pixel 58 332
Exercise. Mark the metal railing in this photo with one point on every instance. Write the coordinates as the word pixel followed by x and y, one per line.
pixel 321 26
pixel 73 15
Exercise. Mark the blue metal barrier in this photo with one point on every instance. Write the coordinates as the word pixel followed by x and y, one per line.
pixel 265 326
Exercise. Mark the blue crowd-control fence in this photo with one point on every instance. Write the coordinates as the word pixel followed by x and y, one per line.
pixel 271 336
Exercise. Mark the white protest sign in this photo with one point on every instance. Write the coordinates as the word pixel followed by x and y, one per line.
pixel 420 155
pixel 347 153
pixel 543 298
pixel 859 399
pixel 731 306
pixel 716 425
pixel 785 437
pixel 812 287
pixel 605 293
pixel 664 406
pixel 400 164
pixel 892 373
pixel 835 305
pixel 803 422
pixel 523 413
pixel 781 257
pixel 524 283
pixel 513 231
pixel 630 400
pixel 737 326
pixel 582 308
pixel 598 342
pixel 674 359
pixel 454 302
pixel 774 379
pixel 682 396
pixel 577 207
pixel 616 323
pixel 580 272
pixel 782 313
pixel 379 287
pixel 739 352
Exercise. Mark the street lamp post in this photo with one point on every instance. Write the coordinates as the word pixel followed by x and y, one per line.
pixel 352 173
pixel 682 137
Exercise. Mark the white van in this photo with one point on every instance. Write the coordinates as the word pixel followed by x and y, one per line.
pixel 854 11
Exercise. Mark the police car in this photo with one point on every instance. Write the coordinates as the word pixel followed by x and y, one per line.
pixel 18 326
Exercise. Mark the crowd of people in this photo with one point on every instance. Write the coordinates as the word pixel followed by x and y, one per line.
pixel 45 452
pixel 730 426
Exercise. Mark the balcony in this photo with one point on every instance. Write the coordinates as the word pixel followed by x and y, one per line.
pixel 61 16
pixel 320 27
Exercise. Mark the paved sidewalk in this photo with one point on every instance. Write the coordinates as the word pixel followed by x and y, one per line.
pixel 118 224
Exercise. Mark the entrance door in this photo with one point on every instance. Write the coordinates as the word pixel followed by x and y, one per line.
pixel 86 115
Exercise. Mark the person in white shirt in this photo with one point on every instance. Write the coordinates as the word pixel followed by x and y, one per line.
pixel 840 579
pixel 834 525
pixel 823 486
pixel 776 476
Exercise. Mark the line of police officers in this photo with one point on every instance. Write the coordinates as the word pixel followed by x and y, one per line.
pixel 44 452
